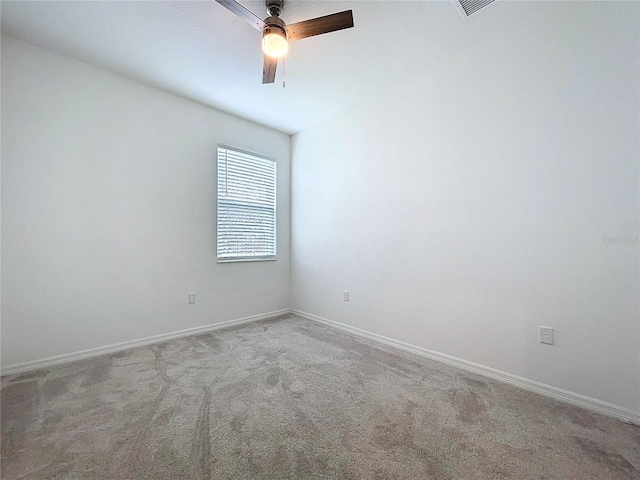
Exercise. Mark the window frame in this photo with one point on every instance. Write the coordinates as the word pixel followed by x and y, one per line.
pixel 235 258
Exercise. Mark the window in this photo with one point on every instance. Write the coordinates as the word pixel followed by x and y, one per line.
pixel 246 206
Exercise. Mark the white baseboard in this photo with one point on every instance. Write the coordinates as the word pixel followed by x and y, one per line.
pixel 29 366
pixel 593 404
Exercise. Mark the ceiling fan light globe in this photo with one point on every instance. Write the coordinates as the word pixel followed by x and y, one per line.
pixel 274 45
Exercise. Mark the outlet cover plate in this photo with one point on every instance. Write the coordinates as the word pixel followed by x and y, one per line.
pixel 546 335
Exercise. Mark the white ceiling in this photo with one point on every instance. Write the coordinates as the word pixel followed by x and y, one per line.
pixel 201 51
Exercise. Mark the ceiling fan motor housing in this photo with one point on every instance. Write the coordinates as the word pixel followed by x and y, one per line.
pixel 274 25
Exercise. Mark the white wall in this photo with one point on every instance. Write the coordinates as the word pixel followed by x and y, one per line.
pixel 468 205
pixel 108 210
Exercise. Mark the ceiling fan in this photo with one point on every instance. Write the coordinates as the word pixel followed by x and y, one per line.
pixel 276 34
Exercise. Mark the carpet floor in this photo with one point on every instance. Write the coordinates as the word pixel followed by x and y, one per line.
pixel 289 398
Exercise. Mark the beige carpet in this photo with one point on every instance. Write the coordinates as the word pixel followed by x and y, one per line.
pixel 288 398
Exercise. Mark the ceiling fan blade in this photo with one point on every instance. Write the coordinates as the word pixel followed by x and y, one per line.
pixel 243 13
pixel 320 25
pixel 269 69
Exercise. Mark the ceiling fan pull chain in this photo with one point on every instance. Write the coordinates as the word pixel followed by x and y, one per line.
pixel 284 71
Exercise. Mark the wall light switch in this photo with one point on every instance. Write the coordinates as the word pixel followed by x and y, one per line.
pixel 192 298
pixel 346 296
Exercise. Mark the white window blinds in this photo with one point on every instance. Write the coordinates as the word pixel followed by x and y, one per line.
pixel 246 206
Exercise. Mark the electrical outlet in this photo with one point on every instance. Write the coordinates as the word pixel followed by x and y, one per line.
pixel 546 335
pixel 192 298
pixel 346 296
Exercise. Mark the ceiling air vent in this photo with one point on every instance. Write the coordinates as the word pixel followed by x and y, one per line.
pixel 467 7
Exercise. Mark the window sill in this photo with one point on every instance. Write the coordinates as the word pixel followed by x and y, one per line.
pixel 247 259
